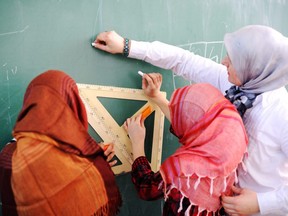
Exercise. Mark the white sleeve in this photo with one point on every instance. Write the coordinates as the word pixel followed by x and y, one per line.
pixel 182 62
pixel 274 202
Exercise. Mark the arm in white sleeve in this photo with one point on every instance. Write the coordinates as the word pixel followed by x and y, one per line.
pixel 182 62
pixel 274 202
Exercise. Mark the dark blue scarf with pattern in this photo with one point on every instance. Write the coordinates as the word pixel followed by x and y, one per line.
pixel 241 100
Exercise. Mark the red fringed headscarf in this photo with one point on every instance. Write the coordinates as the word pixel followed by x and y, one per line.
pixel 57 167
pixel 213 142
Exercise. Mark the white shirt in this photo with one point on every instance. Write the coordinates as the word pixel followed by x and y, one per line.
pixel 266 123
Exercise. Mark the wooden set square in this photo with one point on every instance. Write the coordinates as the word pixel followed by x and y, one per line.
pixel 110 131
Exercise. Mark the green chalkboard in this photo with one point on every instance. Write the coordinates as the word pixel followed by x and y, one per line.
pixel 37 35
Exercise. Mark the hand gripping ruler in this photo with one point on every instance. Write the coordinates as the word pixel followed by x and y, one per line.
pixel 110 131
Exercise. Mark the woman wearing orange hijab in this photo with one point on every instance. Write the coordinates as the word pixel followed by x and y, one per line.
pixel 56 168
pixel 213 141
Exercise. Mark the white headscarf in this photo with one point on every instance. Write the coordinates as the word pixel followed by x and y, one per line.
pixel 259 55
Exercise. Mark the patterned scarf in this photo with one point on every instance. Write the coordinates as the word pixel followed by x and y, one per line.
pixel 241 100
pixel 261 65
pixel 213 142
pixel 57 168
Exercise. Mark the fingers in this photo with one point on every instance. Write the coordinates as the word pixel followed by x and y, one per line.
pixel 153 79
pixel 109 41
pixel 139 120
pixel 101 41
pixel 134 126
pixel 230 209
pixel 227 202
pixel 110 155
pixel 126 124
pixel 232 212
pixel 144 82
pixel 151 84
pixel 101 46
pixel 132 120
pixel 109 152
pixel 236 190
pixel 112 163
pixel 107 148
pixel 230 204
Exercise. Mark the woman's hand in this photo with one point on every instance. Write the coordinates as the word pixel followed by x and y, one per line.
pixel 109 41
pixel 151 84
pixel 244 202
pixel 109 152
pixel 136 131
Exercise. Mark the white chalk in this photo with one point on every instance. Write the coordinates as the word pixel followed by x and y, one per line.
pixel 93 44
pixel 140 73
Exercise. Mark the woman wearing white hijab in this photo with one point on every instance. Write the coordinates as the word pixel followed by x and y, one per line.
pixel 253 77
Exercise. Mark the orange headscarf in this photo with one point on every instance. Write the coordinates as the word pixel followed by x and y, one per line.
pixel 57 167
pixel 213 142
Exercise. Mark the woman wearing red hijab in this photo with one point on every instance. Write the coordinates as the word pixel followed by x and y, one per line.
pixel 55 167
pixel 213 141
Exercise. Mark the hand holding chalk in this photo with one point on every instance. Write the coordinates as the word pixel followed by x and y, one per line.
pixel 93 44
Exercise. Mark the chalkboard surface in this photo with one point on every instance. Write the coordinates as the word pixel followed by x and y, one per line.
pixel 37 35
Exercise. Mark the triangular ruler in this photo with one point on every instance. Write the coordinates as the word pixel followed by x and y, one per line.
pixel 110 131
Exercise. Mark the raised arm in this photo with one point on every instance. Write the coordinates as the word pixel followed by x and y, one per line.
pixel 151 84
pixel 145 180
pixel 182 62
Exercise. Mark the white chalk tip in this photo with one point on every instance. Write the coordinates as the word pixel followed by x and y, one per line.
pixel 140 73
pixel 93 44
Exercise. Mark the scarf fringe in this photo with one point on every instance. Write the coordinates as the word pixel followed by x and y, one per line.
pixel 197 182
pixel 181 204
pixel 161 185
pixel 166 193
pixel 212 185
pixel 196 185
pixel 199 209
pixel 188 181
pixel 187 212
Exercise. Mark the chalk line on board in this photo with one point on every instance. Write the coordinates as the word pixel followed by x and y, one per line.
pixel 14 32
pixel 7 112
pixel 211 55
pixel 98 17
